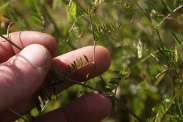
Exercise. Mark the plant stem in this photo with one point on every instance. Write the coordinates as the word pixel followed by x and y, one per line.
pixel 17 114
pixel 11 42
pixel 131 112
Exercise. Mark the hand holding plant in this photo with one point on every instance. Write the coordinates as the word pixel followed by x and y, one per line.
pixel 23 72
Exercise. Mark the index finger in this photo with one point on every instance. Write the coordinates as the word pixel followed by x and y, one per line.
pixel 23 39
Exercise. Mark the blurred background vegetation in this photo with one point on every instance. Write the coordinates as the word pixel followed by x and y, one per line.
pixel 146 41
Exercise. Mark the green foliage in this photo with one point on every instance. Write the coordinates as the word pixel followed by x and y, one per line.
pixel 144 37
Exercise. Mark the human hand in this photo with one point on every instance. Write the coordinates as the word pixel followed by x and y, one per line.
pixel 22 73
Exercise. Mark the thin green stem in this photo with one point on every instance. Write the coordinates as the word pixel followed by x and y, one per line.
pixel 57 31
pixel 131 112
pixel 94 51
pixel 84 85
pixel 17 114
pixel 11 42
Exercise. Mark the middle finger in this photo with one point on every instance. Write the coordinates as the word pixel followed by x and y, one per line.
pixel 60 64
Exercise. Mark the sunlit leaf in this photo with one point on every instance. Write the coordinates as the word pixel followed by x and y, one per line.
pixel 71 10
pixel 139 49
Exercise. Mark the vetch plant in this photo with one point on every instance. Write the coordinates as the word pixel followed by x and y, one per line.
pixel 145 40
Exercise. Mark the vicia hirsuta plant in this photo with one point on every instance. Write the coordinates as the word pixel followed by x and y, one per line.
pixel 82 14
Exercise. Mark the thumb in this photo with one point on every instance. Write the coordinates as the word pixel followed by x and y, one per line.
pixel 21 75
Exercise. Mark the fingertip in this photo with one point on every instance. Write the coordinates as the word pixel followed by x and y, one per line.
pixel 92 107
pixel 103 58
pixel 36 55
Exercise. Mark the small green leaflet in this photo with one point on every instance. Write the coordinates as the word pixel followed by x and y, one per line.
pixel 86 59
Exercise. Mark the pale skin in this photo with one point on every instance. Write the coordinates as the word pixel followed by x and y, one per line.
pixel 22 73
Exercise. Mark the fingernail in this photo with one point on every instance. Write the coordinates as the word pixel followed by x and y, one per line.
pixel 36 55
